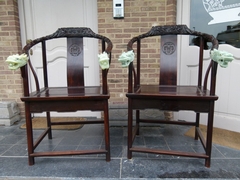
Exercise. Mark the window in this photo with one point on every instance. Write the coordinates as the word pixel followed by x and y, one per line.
pixel 220 18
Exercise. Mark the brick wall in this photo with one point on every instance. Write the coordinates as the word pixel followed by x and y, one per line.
pixel 139 17
pixel 10 43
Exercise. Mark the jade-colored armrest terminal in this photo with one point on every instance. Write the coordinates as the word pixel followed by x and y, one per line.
pixel 221 57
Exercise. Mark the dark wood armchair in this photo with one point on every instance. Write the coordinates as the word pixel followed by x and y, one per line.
pixel 75 96
pixel 168 94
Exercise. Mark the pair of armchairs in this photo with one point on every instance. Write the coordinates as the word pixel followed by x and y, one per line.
pixel 166 95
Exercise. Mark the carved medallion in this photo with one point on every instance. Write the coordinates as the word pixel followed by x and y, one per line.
pixel 75 50
pixel 168 48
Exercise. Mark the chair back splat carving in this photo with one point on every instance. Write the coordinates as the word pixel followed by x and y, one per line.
pixel 168 94
pixel 74 96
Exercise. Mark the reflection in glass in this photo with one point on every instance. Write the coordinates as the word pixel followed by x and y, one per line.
pixel 220 18
pixel 230 36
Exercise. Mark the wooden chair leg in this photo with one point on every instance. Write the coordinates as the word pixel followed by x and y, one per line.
pixel 29 134
pixel 197 125
pixel 137 121
pixel 130 122
pixel 106 131
pixel 49 125
pixel 209 135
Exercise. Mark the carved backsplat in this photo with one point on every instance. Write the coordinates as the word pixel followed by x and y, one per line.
pixel 75 64
pixel 168 60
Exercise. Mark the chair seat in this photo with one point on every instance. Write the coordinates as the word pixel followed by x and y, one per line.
pixel 67 93
pixel 168 92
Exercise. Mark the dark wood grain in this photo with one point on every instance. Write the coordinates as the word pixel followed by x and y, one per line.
pixel 168 94
pixel 76 96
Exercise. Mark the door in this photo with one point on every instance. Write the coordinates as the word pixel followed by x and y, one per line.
pixel 221 19
pixel 43 17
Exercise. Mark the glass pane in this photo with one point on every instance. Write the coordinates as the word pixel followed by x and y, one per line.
pixel 220 18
